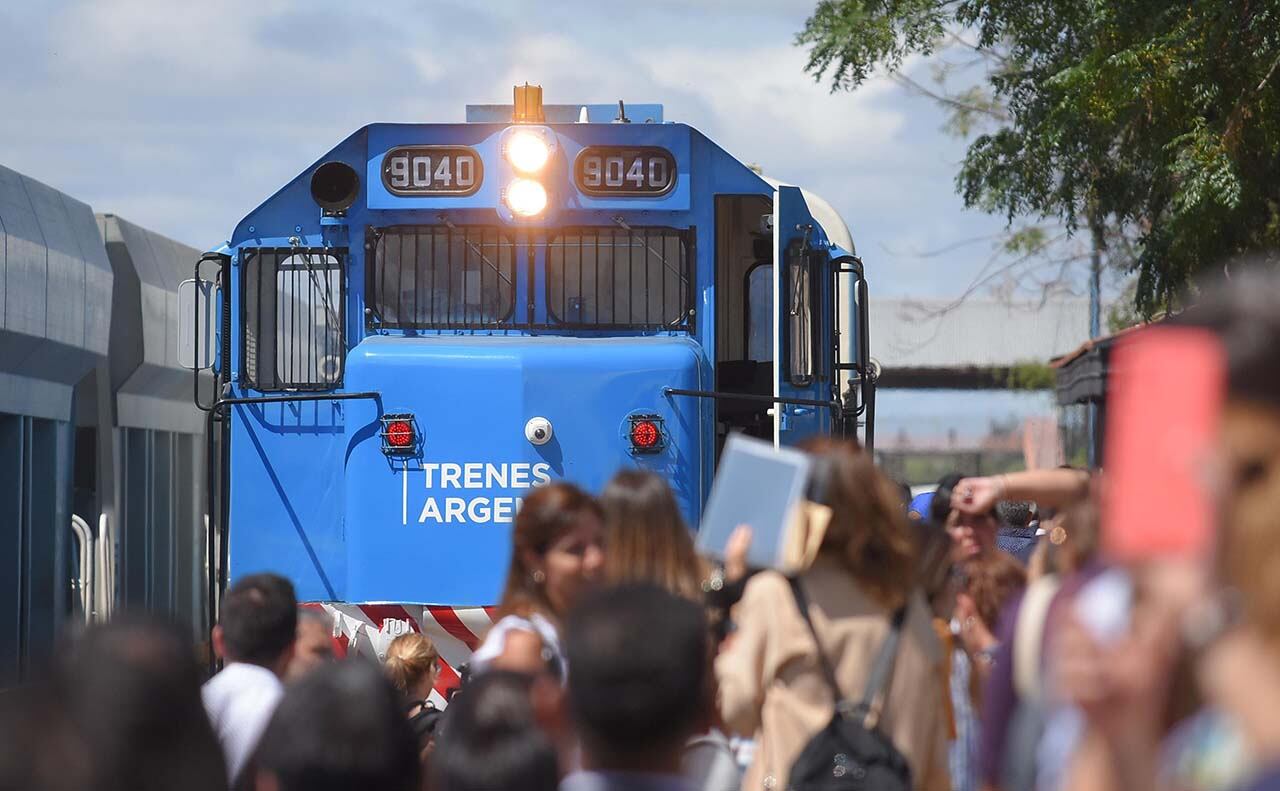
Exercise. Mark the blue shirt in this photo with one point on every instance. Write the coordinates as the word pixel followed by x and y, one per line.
pixel 1018 541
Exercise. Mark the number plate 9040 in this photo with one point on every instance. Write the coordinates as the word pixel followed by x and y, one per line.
pixel 432 170
pixel 621 170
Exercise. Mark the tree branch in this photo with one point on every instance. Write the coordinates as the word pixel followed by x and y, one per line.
pixel 983 51
pixel 1275 63
pixel 941 250
pixel 949 101
pixel 983 277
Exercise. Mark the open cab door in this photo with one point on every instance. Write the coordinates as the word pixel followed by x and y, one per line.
pixel 822 375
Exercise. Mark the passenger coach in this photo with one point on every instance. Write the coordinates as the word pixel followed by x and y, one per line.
pixel 434 318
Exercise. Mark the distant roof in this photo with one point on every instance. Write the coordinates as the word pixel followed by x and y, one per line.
pixel 976 333
pixel 1082 373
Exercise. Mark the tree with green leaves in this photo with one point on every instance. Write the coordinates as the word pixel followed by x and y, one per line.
pixel 1152 122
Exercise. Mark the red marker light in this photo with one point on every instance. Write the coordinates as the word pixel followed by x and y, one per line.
pixel 400 434
pixel 645 435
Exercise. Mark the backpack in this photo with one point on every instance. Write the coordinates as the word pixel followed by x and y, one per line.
pixel 425 721
pixel 851 753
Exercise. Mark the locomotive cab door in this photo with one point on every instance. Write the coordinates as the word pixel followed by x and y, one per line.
pixel 802 328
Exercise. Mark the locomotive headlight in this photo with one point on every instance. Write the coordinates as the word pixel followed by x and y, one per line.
pixel 526 197
pixel 527 151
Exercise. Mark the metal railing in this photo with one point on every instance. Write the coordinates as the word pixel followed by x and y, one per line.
pixel 95 582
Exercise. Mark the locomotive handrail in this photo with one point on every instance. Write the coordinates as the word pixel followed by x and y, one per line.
pixel 720 394
pixel 852 264
pixel 217 540
pixel 370 395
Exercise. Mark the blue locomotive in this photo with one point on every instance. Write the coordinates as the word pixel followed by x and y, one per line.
pixel 434 318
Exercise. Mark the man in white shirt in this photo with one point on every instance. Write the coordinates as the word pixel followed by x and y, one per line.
pixel 255 638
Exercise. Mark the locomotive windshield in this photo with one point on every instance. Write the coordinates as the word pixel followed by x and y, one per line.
pixel 464 277
pixel 442 277
pixel 636 278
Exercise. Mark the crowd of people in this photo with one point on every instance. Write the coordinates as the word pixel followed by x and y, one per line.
pixel 975 637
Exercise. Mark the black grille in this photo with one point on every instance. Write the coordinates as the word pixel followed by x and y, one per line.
pixel 633 278
pixel 442 277
pixel 293 310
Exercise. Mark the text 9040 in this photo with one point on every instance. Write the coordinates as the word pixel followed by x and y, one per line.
pixel 617 170
pixel 432 170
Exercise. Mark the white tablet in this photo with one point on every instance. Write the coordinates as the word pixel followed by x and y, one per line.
pixel 756 485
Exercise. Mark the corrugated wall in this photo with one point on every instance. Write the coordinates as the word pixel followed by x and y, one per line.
pixel 152 477
pixel 55 315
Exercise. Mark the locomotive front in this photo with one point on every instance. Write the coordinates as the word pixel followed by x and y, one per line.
pixel 435 318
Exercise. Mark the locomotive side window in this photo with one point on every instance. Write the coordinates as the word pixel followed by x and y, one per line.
pixel 760 313
pixel 632 278
pixel 441 277
pixel 292 309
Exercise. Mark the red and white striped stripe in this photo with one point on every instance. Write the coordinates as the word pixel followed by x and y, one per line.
pixel 368 629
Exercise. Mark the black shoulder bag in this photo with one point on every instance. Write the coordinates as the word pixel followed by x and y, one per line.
pixel 849 753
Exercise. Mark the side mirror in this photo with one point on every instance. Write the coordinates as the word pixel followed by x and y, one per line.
pixel 196 326
pixel 799 315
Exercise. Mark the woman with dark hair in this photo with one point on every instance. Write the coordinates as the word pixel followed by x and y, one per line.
pixel 557 554
pixel 772 684
pixel 647 538
pixel 491 740
pixel 973 532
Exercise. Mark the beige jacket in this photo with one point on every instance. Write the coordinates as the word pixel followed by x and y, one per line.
pixel 772 687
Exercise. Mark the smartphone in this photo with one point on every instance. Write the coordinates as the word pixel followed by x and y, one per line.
pixel 1165 394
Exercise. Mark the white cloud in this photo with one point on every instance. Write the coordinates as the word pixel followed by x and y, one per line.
pixel 762 96
pixel 182 116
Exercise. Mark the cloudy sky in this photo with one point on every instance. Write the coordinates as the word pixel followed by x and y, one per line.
pixel 183 116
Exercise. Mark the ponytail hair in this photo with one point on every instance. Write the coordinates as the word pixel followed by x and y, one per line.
pixel 410 658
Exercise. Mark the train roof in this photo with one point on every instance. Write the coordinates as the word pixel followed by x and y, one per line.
pixel 560 116
pixel 833 225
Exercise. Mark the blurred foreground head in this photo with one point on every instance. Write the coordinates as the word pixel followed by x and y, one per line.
pixel 491 740
pixel 1244 312
pixel 868 533
pixel 120 708
pixel 340 728
pixel 637 683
